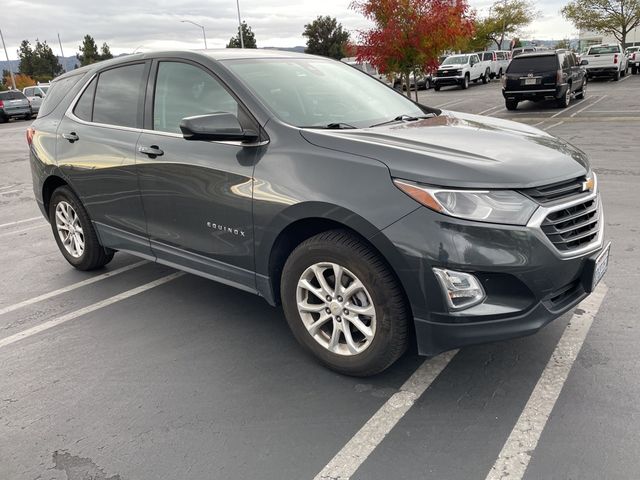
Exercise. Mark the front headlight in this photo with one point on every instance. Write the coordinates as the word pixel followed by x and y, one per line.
pixel 493 206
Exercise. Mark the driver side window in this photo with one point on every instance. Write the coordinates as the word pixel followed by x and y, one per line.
pixel 184 90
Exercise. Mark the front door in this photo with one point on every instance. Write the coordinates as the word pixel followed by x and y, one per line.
pixel 197 195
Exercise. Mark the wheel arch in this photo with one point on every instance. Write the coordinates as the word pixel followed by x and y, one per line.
pixel 49 186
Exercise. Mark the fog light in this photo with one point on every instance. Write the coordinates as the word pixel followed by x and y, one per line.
pixel 462 290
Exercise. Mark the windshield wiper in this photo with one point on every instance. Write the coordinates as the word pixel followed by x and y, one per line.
pixel 400 118
pixel 333 126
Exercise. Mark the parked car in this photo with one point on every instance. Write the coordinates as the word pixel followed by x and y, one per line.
pixel 369 69
pixel 542 76
pixel 372 219
pixel 13 104
pixel 460 70
pixel 423 82
pixel 633 57
pixel 606 60
pixel 35 95
pixel 520 50
pixel 503 59
pixel 490 60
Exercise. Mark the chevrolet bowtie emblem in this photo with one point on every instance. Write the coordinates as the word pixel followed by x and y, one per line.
pixel 588 185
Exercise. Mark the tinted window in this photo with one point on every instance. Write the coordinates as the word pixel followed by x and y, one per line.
pixel 28 92
pixel 84 108
pixel 603 50
pixel 118 95
pixel 12 95
pixel 487 56
pixel 57 91
pixel 533 64
pixel 184 90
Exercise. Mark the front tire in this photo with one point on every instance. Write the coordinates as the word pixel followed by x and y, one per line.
pixel 465 82
pixel 485 78
pixel 74 232
pixel 344 305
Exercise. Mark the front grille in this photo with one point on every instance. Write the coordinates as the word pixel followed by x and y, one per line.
pixel 447 73
pixel 556 191
pixel 573 227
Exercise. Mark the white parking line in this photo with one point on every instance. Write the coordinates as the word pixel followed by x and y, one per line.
pixel 518 449
pixel 71 287
pixel 356 451
pixel 7 192
pixel 588 106
pixel 83 311
pixel 8 186
pixel 565 110
pixel 554 125
pixel 17 222
pixel 450 103
pixel 489 109
pixel 14 232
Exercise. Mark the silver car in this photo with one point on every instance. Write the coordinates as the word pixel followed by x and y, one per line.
pixel 13 104
pixel 35 95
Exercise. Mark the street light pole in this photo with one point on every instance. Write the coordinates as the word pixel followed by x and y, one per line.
pixel 62 53
pixel 204 35
pixel 13 79
pixel 240 25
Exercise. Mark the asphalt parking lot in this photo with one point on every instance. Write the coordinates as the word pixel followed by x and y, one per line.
pixel 136 372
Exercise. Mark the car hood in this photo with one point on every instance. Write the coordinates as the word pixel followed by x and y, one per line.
pixel 462 150
pixel 453 66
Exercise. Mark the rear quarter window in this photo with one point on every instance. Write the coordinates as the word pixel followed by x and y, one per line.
pixel 603 50
pixel 533 64
pixel 57 91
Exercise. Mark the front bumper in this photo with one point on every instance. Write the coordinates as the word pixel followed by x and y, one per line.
pixel 536 94
pixel 444 81
pixel 528 282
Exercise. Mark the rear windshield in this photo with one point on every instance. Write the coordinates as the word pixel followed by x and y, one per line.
pixel 533 64
pixel 603 50
pixel 12 96
pixel 57 91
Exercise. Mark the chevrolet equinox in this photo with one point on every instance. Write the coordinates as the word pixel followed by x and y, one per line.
pixel 373 220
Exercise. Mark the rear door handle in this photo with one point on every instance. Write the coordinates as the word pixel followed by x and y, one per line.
pixel 72 137
pixel 152 151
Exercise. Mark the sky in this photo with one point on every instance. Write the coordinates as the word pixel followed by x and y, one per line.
pixel 142 25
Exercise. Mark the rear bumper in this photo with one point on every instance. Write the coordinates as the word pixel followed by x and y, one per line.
pixel 15 112
pixel 535 94
pixel 602 71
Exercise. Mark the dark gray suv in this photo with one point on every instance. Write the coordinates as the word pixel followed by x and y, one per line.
pixel 373 220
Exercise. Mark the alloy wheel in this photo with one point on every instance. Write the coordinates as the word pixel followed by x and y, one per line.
pixel 69 229
pixel 336 308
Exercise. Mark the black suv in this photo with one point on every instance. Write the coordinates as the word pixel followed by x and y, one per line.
pixel 372 219
pixel 555 75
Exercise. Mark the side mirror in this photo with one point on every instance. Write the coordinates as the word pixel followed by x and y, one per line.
pixel 220 126
pixel 584 62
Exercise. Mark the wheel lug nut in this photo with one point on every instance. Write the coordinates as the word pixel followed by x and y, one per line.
pixel 346 312
pixel 328 298
pixel 328 310
pixel 339 298
pixel 338 319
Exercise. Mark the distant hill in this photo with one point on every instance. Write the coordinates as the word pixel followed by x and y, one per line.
pixel 298 49
pixel 68 63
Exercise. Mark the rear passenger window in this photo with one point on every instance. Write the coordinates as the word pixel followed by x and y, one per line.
pixel 84 108
pixel 118 96
pixel 57 91
pixel 184 90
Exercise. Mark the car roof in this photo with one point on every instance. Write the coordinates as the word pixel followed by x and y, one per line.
pixel 216 54
pixel 543 53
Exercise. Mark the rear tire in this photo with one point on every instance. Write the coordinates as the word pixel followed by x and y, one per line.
pixel 437 88
pixel 74 232
pixel 583 90
pixel 485 78
pixel 565 100
pixel 634 70
pixel 617 75
pixel 339 340
pixel 511 104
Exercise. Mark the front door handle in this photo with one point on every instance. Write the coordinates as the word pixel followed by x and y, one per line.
pixel 152 151
pixel 71 137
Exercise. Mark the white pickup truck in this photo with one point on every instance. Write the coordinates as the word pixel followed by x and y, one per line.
pixel 460 70
pixel 633 55
pixel 607 60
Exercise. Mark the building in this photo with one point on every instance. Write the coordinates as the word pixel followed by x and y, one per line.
pixel 588 38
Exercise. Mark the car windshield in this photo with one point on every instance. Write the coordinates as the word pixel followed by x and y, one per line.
pixel 44 89
pixel 604 50
pixel 11 96
pixel 321 93
pixel 544 63
pixel 457 60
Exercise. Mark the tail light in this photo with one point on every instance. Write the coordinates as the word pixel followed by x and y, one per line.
pixel 633 57
pixel 615 58
pixel 30 132
pixel 559 77
pixel 1 104
pixel 504 81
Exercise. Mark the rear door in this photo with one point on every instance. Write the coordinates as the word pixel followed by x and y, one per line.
pixel 532 73
pixel 96 150
pixel 197 195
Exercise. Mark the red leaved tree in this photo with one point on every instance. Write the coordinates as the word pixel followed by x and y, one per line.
pixel 410 35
